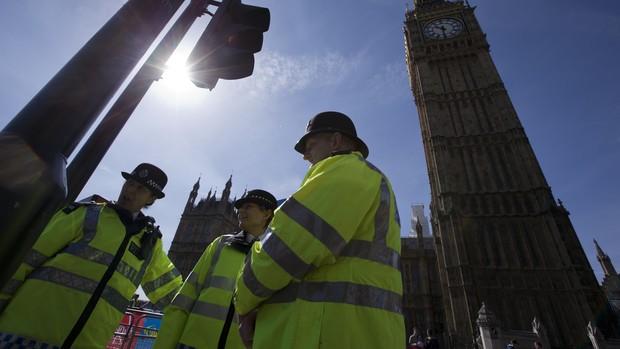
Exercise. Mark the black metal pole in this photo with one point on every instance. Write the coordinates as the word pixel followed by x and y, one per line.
pixel 92 152
pixel 35 144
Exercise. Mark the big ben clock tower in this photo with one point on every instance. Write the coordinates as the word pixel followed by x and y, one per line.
pixel 501 237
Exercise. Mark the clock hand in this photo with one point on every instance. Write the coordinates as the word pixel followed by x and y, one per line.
pixel 443 31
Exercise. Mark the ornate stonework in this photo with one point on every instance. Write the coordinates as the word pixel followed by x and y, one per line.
pixel 200 224
pixel 501 237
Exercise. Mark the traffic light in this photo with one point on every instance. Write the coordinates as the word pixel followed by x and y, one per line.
pixel 226 48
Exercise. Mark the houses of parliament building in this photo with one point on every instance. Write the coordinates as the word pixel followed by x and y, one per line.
pixel 499 237
pixel 205 219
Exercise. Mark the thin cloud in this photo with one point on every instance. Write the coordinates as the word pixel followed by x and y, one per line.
pixel 276 73
pixel 390 83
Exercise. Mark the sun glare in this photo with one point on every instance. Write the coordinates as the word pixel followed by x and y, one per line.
pixel 175 85
pixel 175 75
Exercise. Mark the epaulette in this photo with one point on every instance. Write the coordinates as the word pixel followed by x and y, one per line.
pixel 91 200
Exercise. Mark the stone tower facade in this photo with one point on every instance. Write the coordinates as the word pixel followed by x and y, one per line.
pixel 200 224
pixel 501 238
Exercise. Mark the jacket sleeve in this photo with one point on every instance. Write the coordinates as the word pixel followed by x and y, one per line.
pixel 310 229
pixel 176 314
pixel 62 229
pixel 161 280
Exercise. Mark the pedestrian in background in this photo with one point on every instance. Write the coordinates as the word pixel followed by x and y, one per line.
pixel 430 342
pixel 514 344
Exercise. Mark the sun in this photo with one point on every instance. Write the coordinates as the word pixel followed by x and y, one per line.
pixel 175 75
pixel 175 85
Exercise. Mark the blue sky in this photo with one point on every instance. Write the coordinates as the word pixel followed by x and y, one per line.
pixel 558 60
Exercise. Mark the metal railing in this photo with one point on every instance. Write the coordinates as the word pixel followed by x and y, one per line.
pixel 138 330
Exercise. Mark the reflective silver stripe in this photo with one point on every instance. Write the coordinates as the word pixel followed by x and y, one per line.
pixel 200 307
pixel 350 293
pixel 340 292
pixel 64 278
pixel 383 214
pixel 214 260
pixel 151 286
pixel 214 311
pixel 371 251
pixel 82 250
pixel 35 258
pixel 143 267
pixel 80 283
pixel 252 283
pixel 90 223
pixel 9 340
pixel 192 279
pixel 310 221
pixel 115 299
pixel 11 287
pixel 90 253
pixel 183 302
pixel 383 211
pixel 223 282
pixel 95 255
pixel 286 295
pixel 379 252
pixel 189 304
pixel 164 301
pixel 285 257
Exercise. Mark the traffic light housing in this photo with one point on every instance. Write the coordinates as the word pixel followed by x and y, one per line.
pixel 226 48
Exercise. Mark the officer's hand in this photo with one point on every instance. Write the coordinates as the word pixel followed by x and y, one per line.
pixel 247 323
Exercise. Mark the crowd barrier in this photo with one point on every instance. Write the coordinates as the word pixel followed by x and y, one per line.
pixel 137 330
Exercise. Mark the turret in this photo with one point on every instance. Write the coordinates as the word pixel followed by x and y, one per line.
pixel 603 258
pixel 226 192
pixel 419 231
pixel 192 196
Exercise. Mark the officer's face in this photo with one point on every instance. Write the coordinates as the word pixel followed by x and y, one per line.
pixel 319 146
pixel 253 218
pixel 134 196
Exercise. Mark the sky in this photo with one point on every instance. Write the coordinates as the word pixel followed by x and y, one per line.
pixel 558 60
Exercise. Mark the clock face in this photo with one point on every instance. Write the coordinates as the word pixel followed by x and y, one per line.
pixel 443 28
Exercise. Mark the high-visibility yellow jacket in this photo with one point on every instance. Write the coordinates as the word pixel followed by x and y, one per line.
pixel 327 275
pixel 58 282
pixel 196 317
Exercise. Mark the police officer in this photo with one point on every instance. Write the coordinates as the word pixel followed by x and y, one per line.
pixel 202 313
pixel 327 273
pixel 74 285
